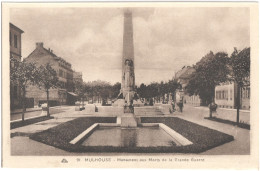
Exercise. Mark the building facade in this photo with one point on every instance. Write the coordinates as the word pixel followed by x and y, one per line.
pixel 226 96
pixel 58 96
pixel 183 76
pixel 15 42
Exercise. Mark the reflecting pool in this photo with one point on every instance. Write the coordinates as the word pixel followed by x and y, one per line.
pixel 129 137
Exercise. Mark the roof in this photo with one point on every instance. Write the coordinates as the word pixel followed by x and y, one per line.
pixel 56 57
pixel 16 28
pixel 184 73
pixel 53 55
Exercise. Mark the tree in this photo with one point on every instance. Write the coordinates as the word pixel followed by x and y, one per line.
pixel 47 79
pixel 153 89
pixel 99 89
pixel 240 63
pixel 211 70
pixel 173 85
pixel 105 92
pixel 79 88
pixel 142 90
pixel 89 90
pixel 163 89
pixel 115 90
pixel 24 74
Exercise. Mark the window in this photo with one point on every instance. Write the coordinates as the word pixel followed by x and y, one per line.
pixel 246 93
pixel 10 38
pixel 226 92
pixel 15 41
pixel 231 94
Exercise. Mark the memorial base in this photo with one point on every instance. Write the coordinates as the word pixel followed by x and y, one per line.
pixel 128 120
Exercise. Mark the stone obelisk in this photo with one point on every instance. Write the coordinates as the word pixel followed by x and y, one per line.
pixel 128 75
pixel 127 91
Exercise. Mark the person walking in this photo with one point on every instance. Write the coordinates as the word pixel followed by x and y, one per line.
pixel 181 105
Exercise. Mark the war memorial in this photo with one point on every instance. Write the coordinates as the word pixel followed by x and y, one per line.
pixel 167 85
pixel 128 125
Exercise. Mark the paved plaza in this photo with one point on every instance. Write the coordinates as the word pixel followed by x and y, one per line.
pixel 22 145
pixel 34 112
pixel 241 143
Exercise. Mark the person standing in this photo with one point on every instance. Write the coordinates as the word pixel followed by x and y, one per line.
pixel 181 105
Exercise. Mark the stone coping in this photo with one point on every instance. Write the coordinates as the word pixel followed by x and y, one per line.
pixel 83 134
pixel 179 139
pixel 90 130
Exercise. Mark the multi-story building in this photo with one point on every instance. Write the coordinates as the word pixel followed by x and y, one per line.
pixel 183 76
pixel 15 40
pixel 226 96
pixel 42 56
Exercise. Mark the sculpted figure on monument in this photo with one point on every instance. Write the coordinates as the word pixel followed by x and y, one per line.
pixel 129 78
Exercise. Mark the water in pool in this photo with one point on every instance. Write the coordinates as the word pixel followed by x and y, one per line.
pixel 129 137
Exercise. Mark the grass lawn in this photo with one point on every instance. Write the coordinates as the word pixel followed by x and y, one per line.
pixel 203 138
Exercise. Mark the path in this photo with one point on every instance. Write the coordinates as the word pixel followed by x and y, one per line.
pixel 32 112
pixel 22 145
pixel 241 144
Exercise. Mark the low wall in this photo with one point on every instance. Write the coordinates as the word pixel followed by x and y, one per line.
pixel 147 110
pixel 119 102
pixel 110 110
pixel 157 109
pixel 116 110
pixel 165 108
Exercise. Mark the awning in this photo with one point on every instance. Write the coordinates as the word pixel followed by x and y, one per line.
pixel 73 94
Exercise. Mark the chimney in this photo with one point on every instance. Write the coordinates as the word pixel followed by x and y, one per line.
pixel 39 45
pixel 49 49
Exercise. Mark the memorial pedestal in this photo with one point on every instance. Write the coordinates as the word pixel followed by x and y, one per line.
pixel 128 120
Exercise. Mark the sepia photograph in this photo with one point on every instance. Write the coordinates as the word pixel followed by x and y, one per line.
pixel 130 85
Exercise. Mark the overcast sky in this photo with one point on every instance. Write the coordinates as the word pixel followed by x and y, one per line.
pixel 165 39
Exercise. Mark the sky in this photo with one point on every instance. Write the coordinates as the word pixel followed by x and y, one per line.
pixel 165 39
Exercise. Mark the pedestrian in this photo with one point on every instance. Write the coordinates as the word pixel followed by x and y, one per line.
pixel 173 106
pixel 180 104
